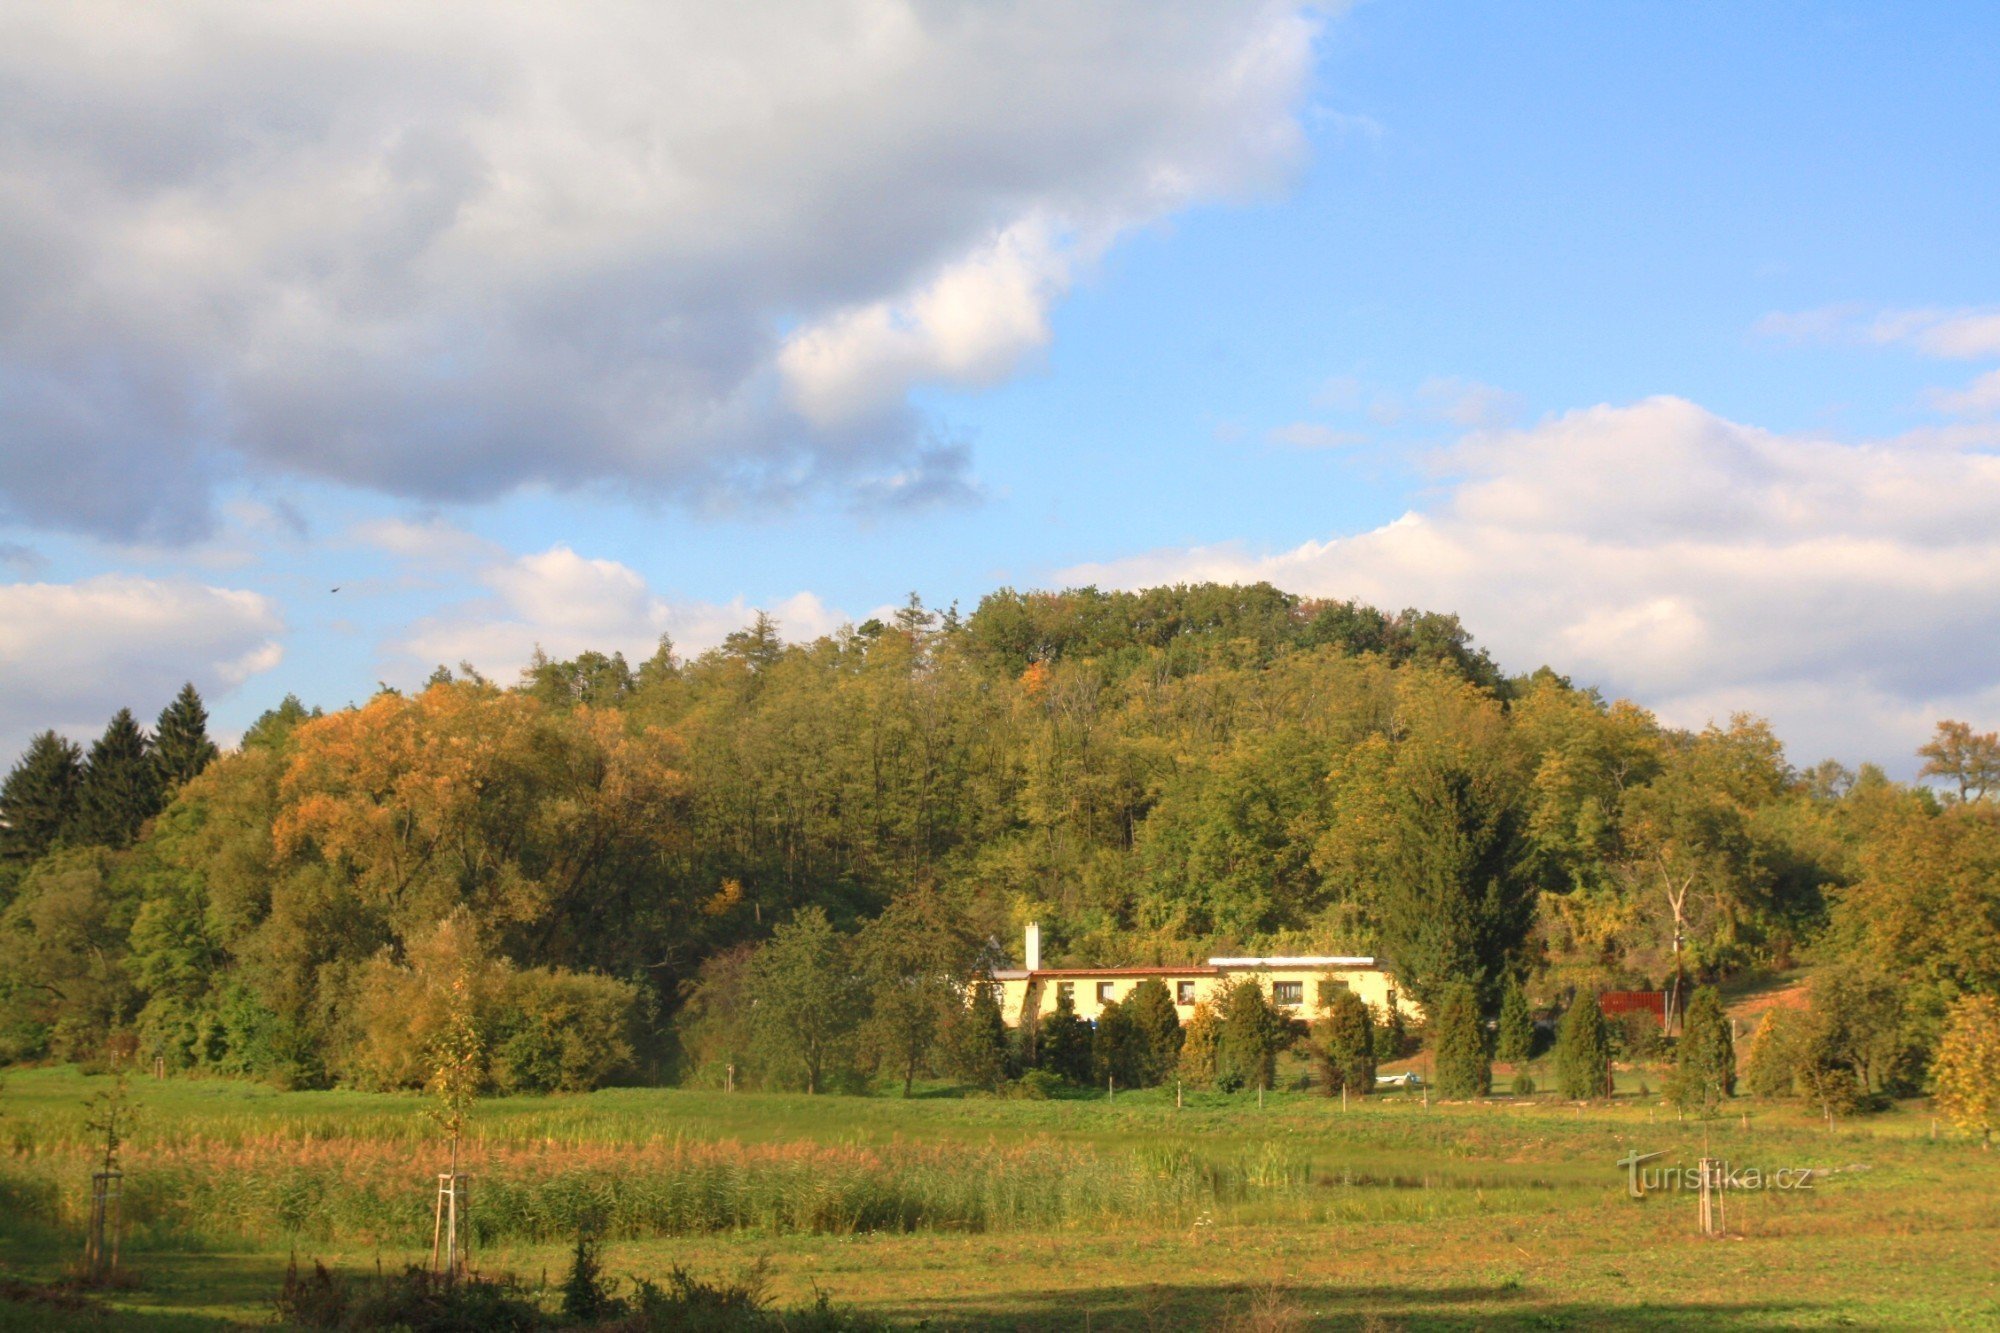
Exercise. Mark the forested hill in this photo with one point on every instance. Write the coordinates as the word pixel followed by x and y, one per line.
pixel 1154 776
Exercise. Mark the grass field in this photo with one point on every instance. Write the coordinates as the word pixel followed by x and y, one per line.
pixel 1073 1213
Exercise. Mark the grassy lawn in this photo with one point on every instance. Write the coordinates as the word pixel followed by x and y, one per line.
pixel 1073 1213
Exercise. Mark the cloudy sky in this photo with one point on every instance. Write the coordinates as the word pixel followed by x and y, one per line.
pixel 1662 344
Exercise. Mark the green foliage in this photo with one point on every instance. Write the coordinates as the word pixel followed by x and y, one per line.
pixel 120 789
pixel 1250 1034
pixel 915 958
pixel 1514 1041
pixel 1343 1045
pixel 804 1002
pixel 1200 1041
pixel 1117 1048
pixel 39 798
pixel 1460 1065
pixel 973 1038
pixel 1776 1051
pixel 181 747
pixel 1705 1057
pixel 563 1031
pixel 1151 1009
pixel 1583 1050
pixel 1967 1072
pixel 1063 1041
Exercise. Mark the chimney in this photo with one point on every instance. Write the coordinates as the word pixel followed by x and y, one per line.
pixel 1032 956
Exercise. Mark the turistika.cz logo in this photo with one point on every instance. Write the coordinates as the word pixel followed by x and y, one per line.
pixel 1641 1179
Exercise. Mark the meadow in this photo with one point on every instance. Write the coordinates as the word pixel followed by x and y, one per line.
pixel 1075 1212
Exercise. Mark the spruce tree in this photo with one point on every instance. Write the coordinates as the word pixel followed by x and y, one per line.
pixel 1252 1033
pixel 120 790
pixel 181 747
pixel 1343 1045
pixel 1462 1067
pixel 1063 1044
pixel 1151 1008
pixel 1705 1064
pixel 39 797
pixel 1583 1051
pixel 1117 1047
pixel 1516 1044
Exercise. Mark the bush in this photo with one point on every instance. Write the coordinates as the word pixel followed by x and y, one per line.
pixel 1524 1086
pixel 1343 1045
pixel 563 1031
pixel 417 1300
pixel 1199 1040
pixel 1251 1033
pixel 1775 1054
pixel 1636 1036
pixel 1462 1068
pixel 1583 1051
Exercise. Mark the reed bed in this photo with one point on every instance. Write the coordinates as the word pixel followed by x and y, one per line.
pixel 366 1191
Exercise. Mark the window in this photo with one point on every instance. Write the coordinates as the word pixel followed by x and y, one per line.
pixel 1183 992
pixel 1330 987
pixel 1104 991
pixel 1288 992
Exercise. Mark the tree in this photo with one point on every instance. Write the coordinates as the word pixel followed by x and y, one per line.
pixel 973 1039
pixel 1199 1040
pixel 1343 1045
pixel 1515 1044
pixel 1583 1051
pixel 914 960
pixel 1063 1041
pixel 1151 1009
pixel 1968 759
pixel 1705 1061
pixel 39 798
pixel 120 790
pixel 803 999
pixel 1117 1047
pixel 1461 1067
pixel 1252 1032
pixel 1967 1071
pixel 181 747
pixel 1772 1065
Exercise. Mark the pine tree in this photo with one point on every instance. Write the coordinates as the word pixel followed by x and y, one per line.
pixel 39 797
pixel 1343 1045
pixel 1583 1051
pixel 1151 1008
pixel 1516 1045
pixel 120 790
pixel 1462 1067
pixel 1705 1064
pixel 181 747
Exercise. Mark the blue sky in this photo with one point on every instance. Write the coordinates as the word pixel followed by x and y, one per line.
pixel 1658 342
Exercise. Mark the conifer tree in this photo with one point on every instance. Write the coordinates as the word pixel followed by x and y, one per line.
pixel 1516 1043
pixel 974 1039
pixel 1116 1047
pixel 1344 1045
pixel 1158 1023
pixel 39 797
pixel 181 747
pixel 120 790
pixel 1063 1046
pixel 1462 1067
pixel 1705 1064
pixel 1252 1033
pixel 1583 1051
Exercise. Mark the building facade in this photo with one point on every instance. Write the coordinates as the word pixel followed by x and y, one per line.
pixel 1293 984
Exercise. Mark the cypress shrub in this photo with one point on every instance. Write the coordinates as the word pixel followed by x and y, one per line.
pixel 1462 1068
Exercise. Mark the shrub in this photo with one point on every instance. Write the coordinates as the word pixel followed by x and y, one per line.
pixel 1199 1040
pixel 1063 1042
pixel 1967 1071
pixel 563 1031
pixel 1343 1045
pixel 1462 1068
pixel 1158 1024
pixel 1251 1034
pixel 1583 1051
pixel 1775 1053
pixel 1705 1060
pixel 1515 1040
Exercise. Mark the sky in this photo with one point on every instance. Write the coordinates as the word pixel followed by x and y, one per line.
pixel 1660 343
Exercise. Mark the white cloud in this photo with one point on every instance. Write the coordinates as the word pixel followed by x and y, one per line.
pixel 1464 402
pixel 1851 591
pixel 565 604
pixel 72 654
pixel 447 251
pixel 1977 399
pixel 1312 435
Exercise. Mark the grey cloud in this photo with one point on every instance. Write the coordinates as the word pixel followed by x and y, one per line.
pixel 446 252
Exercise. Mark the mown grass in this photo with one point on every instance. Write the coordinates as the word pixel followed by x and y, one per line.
pixel 981 1213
